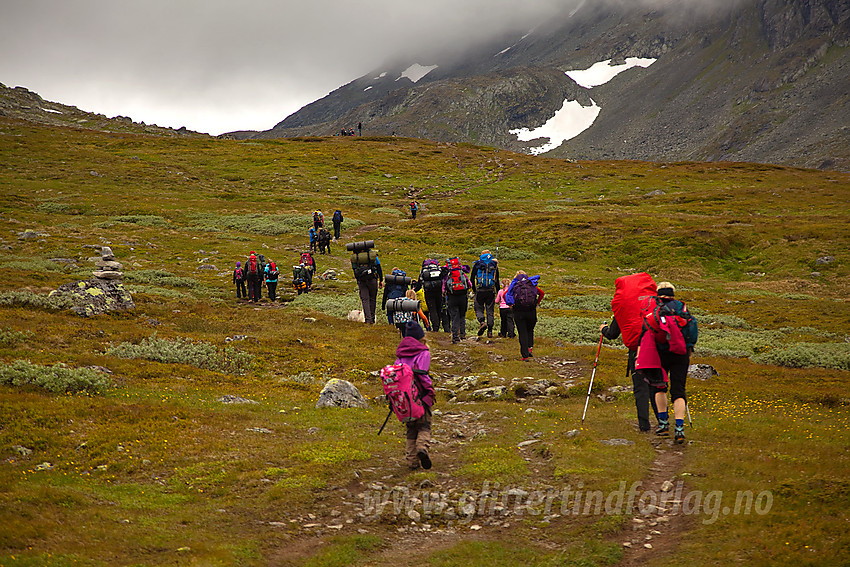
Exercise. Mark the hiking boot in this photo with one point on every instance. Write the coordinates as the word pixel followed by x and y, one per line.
pixel 530 351
pixel 489 334
pixel 679 436
pixel 525 359
pixel 663 429
pixel 424 459
pixel 482 328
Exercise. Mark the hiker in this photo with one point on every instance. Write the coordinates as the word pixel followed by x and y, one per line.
pixel 506 317
pixel 310 265
pixel 632 291
pixel 314 238
pixel 418 316
pixel 669 335
pixel 524 296
pixel 300 279
pixel 318 220
pixel 367 271
pixel 324 240
pixel 413 351
pixel 395 286
pixel 360 129
pixel 253 277
pixel 455 288
pixel 414 206
pixel 239 280
pixel 271 280
pixel 485 278
pixel 430 283
pixel 337 222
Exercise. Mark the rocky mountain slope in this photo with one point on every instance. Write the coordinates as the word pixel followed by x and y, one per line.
pixel 23 104
pixel 751 80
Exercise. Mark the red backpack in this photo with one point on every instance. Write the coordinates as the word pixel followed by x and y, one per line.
pixel 402 392
pixel 457 283
pixel 634 298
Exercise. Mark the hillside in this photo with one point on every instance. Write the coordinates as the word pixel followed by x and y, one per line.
pixel 755 80
pixel 185 431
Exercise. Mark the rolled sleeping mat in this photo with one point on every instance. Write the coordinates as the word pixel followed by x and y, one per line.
pixel 360 246
pixel 365 257
pixel 403 304
pixel 395 279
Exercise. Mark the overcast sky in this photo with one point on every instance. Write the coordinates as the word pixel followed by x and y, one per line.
pixel 216 66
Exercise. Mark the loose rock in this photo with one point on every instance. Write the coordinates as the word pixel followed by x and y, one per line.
pixel 341 394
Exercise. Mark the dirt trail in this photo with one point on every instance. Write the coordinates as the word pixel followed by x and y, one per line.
pixel 649 538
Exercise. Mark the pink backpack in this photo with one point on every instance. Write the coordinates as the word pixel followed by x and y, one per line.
pixel 402 392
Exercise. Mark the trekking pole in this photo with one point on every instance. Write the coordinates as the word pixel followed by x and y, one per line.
pixel 385 421
pixel 592 375
pixel 688 410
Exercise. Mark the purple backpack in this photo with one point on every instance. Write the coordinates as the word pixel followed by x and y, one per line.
pixel 525 294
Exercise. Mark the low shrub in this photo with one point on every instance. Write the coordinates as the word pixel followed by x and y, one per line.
pixel 141 220
pixel 29 299
pixel 333 305
pixel 388 211
pixel 579 303
pixel 185 351
pixel 265 225
pixel 160 278
pixel 576 330
pixel 808 355
pixel 53 208
pixel 735 343
pixel 9 338
pixel 57 378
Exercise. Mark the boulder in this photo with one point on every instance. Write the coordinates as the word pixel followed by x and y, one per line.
pixel 489 393
pixel 341 394
pixel 701 371
pixel 96 296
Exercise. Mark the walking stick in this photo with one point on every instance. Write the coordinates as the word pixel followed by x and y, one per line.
pixel 592 375
pixel 688 409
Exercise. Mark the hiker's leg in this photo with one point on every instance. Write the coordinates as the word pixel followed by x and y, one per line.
pixel 641 392
pixel 478 307
pixel 677 370
pixel 434 301
pixel 410 452
pixel 363 290
pixel 522 331
pixel 464 306
pixel 373 296
pixel 530 324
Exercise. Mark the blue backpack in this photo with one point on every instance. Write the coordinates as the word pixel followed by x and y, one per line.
pixel 485 275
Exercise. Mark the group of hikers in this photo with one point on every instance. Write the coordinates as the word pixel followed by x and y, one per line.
pixel 443 292
pixel 656 327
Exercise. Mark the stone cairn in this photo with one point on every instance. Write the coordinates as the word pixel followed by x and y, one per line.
pixel 107 267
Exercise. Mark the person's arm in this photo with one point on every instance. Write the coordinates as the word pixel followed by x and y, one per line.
pixel 611 331
pixel 384 299
pixel 425 319
pixel 472 271
pixel 540 294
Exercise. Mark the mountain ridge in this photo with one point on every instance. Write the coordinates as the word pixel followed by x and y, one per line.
pixel 753 80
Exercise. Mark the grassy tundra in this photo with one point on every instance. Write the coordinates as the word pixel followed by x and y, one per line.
pixel 145 465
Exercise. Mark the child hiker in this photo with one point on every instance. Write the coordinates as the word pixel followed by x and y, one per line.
pixel 506 316
pixel 419 316
pixel 413 351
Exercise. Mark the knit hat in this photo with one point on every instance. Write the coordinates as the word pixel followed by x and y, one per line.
pixel 414 329
pixel 666 289
pixel 238 264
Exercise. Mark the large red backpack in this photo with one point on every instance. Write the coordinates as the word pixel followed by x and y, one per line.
pixel 634 297
pixel 402 392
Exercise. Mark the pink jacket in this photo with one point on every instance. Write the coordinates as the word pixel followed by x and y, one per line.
pixel 500 298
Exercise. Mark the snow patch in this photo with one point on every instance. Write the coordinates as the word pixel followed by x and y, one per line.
pixel 505 50
pixel 367 88
pixel 381 76
pixel 416 72
pixel 51 111
pixel 570 121
pixel 602 72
